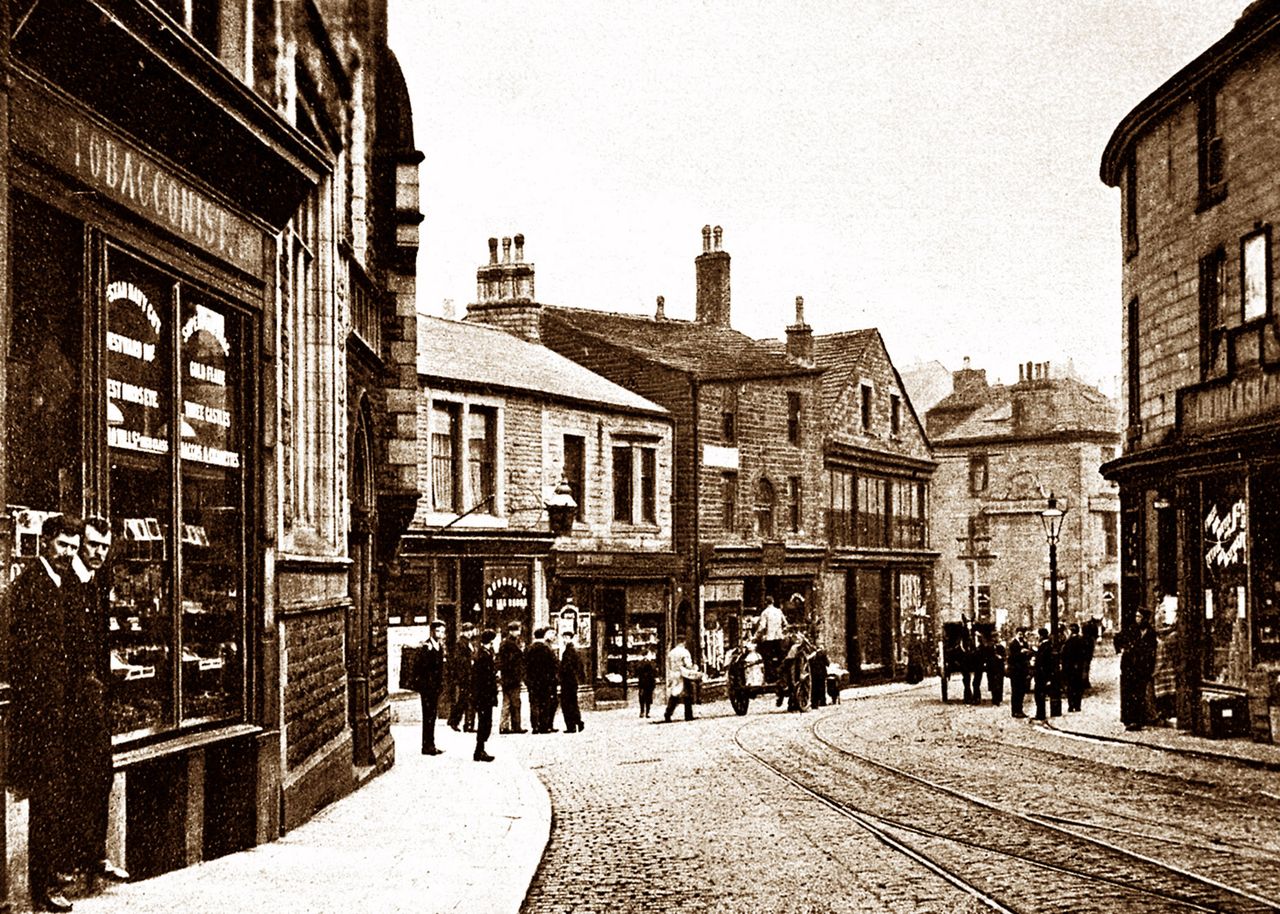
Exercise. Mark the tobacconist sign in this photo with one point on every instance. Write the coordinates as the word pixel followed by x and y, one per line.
pixel 121 171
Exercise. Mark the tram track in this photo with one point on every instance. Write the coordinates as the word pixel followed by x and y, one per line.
pixel 987 850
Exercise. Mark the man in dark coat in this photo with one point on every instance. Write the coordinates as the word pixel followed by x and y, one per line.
pixel 570 677
pixel 540 671
pixel 1019 667
pixel 89 763
pixel 42 737
pixel 1074 657
pixel 818 664
pixel 993 654
pixel 1046 672
pixel 511 666
pixel 646 680
pixel 428 676
pixel 1137 665
pixel 484 692
pixel 458 672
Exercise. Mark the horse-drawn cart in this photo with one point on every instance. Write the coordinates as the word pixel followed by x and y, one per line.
pixel 750 676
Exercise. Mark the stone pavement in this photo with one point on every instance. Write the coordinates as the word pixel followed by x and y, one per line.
pixel 447 834
pixel 1099 718
pixel 438 834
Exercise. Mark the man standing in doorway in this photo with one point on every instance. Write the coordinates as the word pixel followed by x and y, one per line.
pixel 41 713
pixel 511 668
pixel 89 670
pixel 428 674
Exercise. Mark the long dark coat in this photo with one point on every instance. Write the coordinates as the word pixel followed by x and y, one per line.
pixel 511 664
pixel 540 668
pixel 88 756
pixel 484 679
pixel 1137 666
pixel 428 671
pixel 40 678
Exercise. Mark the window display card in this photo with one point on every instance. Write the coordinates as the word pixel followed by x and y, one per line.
pixel 1208 604
pixel 1240 604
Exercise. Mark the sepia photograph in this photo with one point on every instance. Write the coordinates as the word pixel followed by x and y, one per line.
pixel 667 458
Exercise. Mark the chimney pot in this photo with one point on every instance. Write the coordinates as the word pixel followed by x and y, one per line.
pixel 506 250
pixel 799 310
pixel 519 240
pixel 719 234
pixel 966 363
pixel 706 239
pixel 493 250
pixel 661 312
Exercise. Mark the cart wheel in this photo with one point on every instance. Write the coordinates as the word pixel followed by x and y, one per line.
pixel 739 701
pixel 804 693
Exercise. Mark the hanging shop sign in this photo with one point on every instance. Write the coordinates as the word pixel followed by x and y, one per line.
pixel 122 172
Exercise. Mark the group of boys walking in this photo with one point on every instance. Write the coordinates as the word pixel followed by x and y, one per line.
pixel 474 677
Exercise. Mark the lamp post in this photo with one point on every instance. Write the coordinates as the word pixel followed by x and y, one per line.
pixel 1051 517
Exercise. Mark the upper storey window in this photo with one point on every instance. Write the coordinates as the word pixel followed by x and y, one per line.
pixel 220 26
pixel 1255 275
pixel 1211 157
pixel 1131 208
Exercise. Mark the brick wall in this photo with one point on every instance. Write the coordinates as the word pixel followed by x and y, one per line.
pixel 1172 236
pixel 844 421
pixel 315 683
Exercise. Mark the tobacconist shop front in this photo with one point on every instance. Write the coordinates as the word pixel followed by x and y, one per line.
pixel 138 355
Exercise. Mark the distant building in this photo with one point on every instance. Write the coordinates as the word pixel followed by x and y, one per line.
pixel 762 431
pixel 1199 477
pixel 1001 452
pixel 926 384
pixel 510 433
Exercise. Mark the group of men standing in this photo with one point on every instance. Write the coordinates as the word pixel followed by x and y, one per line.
pixel 60 665
pixel 474 676
pixel 1054 666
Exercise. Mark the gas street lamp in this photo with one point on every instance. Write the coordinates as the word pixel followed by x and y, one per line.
pixel 1051 517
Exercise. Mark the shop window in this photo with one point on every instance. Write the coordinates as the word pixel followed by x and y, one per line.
pixel 793 503
pixel 977 474
pixel 1222 564
pixel 840 513
pixel 1210 154
pixel 1266 557
pixel 446 480
pixel 765 500
pixel 895 414
pixel 864 404
pixel 1255 275
pixel 575 463
pixel 728 501
pixel 793 418
pixel 179 580
pixel 1111 536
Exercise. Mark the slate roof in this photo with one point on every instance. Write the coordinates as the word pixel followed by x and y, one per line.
pixel 480 355
pixel 840 354
pixel 703 350
pixel 1060 405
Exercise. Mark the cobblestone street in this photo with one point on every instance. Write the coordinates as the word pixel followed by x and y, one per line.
pixel 678 817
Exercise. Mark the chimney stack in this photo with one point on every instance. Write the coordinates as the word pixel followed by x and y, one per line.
pixel 661 314
pixel 712 269
pixel 504 292
pixel 968 379
pixel 800 336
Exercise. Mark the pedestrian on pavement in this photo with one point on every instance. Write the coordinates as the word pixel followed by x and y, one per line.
pixel 511 668
pixel 818 665
pixel 1074 657
pixel 1046 672
pixel 1091 630
pixel 428 675
pixel 1019 664
pixel 41 601
pixel 539 673
pixel 646 681
pixel 1164 681
pixel 770 632
pixel 681 674
pixel 975 662
pixel 484 692
pixel 458 672
pixel 571 675
pixel 1137 644
pixel 994 653
pixel 90 771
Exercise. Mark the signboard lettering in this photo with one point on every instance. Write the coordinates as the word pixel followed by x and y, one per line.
pixel 1225 532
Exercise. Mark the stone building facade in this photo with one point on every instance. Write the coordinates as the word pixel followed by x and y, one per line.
pixel 1002 450
pixel 547 501
pixel 1200 532
pixel 207 292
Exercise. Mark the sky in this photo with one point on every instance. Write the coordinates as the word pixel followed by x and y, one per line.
pixel 926 168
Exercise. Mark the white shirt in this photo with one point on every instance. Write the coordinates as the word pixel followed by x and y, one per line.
pixel 773 623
